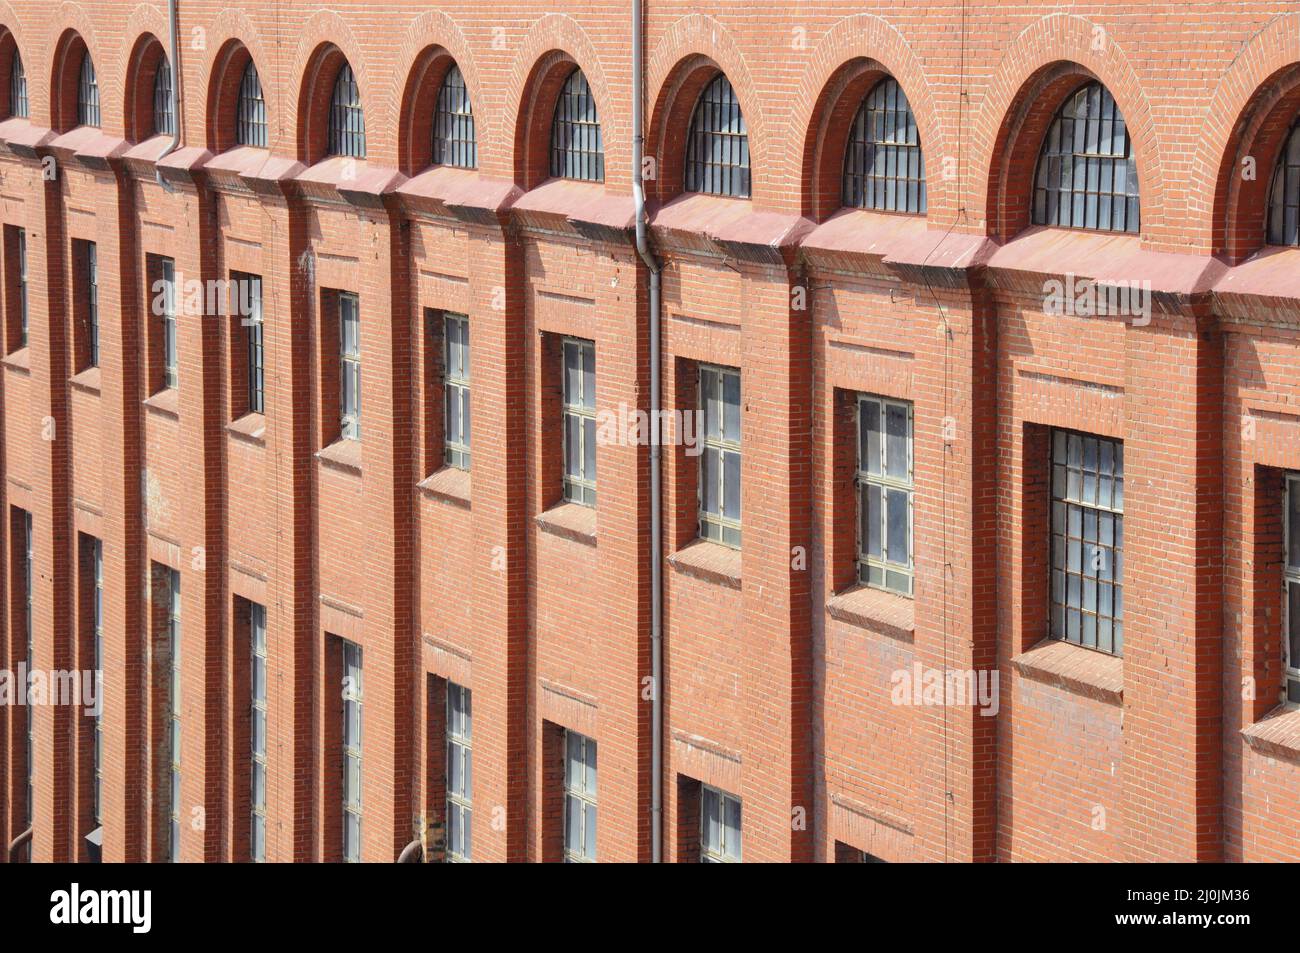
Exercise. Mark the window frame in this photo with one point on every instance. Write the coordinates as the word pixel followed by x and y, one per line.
pixel 25 324
pixel 349 364
pixel 19 102
pixel 582 795
pixel 174 713
pixel 346 132
pixel 88 102
pixel 1290 691
pixel 864 480
pixel 459 745
pixel 859 178
pixel 729 531
pixel 731 176
pixel 164 119
pixel 92 304
pixel 1286 170
pixel 97 755
pixel 707 854
pixel 257 754
pixel 579 487
pixel 455 142
pixel 352 694
pixel 253 326
pixel 250 109
pixel 575 122
pixel 456 391
pixel 1060 562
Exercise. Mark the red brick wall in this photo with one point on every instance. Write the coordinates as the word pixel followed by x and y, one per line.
pixel 779 670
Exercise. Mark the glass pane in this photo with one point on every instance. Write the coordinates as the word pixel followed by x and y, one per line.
pixel 731 399
pixel 731 485
pixel 590 832
pixel 1293 619
pixel 573 445
pixel 874 522
pixel 589 448
pixel 573 829
pixel 709 495
pixel 871 435
pixel 899 542
pixel 589 377
pixel 896 449
pixel 1293 523
pixel 733 827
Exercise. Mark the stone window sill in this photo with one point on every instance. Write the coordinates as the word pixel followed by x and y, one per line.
pixel 88 380
pixel 1277 734
pixel 166 402
pixel 450 484
pixel 570 521
pixel 343 455
pixel 885 613
pixel 19 360
pixel 1075 669
pixel 709 561
pixel 250 427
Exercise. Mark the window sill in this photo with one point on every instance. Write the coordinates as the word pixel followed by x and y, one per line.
pixel 19 360
pixel 885 613
pixel 709 561
pixel 450 484
pixel 1075 669
pixel 570 521
pixel 88 380
pixel 250 427
pixel 166 402
pixel 343 454
pixel 1277 734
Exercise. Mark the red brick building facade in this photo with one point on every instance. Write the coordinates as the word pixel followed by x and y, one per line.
pixel 239 563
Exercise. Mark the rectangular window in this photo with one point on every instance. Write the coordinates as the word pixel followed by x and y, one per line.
pixel 1291 643
pixel 579 799
pixel 173 596
pixel 885 494
pixel 720 462
pixel 719 827
pixel 580 421
pixel 1087 596
pixel 22 283
pixel 351 752
pixel 459 773
pixel 257 731
pixel 249 289
pixel 455 389
pixel 15 251
pixel 92 305
pixel 162 342
pixel 96 554
pixel 29 561
pixel 350 365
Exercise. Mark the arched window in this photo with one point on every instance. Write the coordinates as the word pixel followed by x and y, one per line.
pixel 87 94
pixel 164 120
pixel 18 106
pixel 1284 197
pixel 884 167
pixel 347 132
pixel 250 113
pixel 1087 175
pixel 577 151
pixel 453 124
pixel 717 146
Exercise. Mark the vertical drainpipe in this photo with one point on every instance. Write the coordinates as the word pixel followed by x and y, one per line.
pixel 173 18
pixel 656 462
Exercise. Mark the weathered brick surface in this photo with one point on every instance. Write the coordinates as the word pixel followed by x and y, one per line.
pixel 777 678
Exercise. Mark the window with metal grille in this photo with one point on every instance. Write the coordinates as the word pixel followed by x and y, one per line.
pixel 453 124
pixel 1291 581
pixel 87 94
pixel 172 583
pixel 164 120
pixel 249 291
pixel 885 494
pixel 1087 593
pixel 460 722
pixel 884 167
pixel 170 364
pixel 257 731
pixel 250 113
pixel 1284 196
pixel 350 365
pixel 347 129
pixel 719 827
pixel 579 799
pixel 577 151
pixel 351 752
pixel 95 555
pixel 1087 174
pixel 720 461
pixel 455 389
pixel 18 105
pixel 92 304
pixel 580 421
pixel 717 146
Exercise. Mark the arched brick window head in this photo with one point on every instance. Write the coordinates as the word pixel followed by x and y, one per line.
pixel 884 168
pixel 18 105
pixel 1284 196
pixel 1087 174
pixel 577 151
pixel 717 145
pixel 250 110
pixel 453 124
pixel 164 120
pixel 87 94
pixel 347 128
